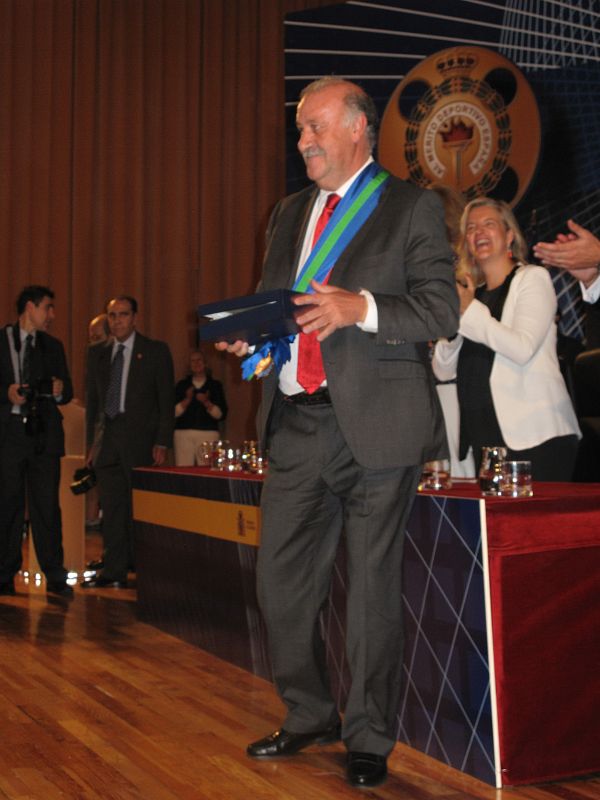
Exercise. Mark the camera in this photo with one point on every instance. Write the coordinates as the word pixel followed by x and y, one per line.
pixel 36 394
pixel 84 479
pixel 40 389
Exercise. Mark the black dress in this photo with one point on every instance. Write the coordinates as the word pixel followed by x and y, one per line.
pixel 478 421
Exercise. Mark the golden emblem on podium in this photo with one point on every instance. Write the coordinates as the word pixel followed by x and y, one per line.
pixel 465 117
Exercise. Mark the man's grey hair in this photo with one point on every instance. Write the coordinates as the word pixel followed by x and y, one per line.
pixel 356 100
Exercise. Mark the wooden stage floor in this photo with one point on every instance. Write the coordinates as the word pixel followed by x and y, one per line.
pixel 95 704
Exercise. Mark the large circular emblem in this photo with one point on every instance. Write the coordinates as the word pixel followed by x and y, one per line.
pixel 465 117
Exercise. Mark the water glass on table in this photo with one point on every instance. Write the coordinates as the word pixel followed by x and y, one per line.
pixel 516 479
pixel 258 459
pixel 436 475
pixel 205 454
pixel 490 471
pixel 219 458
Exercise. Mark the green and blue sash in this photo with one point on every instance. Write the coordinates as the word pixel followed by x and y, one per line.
pixel 350 214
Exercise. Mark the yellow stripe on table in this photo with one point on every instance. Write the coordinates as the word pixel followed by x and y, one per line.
pixel 233 522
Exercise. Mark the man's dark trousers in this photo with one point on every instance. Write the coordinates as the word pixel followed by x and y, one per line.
pixel 25 473
pixel 114 470
pixel 305 504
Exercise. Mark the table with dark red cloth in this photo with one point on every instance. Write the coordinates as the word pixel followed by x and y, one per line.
pixel 544 572
pixel 502 604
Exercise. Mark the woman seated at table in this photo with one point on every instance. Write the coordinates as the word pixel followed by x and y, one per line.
pixel 510 388
pixel 200 407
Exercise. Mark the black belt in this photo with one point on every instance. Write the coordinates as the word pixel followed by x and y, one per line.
pixel 319 398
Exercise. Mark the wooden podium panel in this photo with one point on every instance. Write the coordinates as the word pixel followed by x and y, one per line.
pixel 72 506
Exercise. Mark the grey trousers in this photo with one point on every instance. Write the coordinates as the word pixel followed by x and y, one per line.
pixel 315 490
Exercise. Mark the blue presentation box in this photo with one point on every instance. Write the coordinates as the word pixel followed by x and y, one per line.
pixel 252 318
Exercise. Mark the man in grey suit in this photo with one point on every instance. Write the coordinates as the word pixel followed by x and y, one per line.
pixel 345 448
pixel 130 397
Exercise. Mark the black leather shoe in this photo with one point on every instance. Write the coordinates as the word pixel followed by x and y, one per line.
pixel 366 770
pixel 102 583
pixel 95 566
pixel 60 588
pixel 285 743
pixel 8 588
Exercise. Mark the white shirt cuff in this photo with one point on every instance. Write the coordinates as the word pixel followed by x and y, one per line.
pixel 370 324
pixel 591 293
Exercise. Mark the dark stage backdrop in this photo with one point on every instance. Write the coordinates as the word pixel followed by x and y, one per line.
pixel 142 143
pixel 555 44
pixel 141 151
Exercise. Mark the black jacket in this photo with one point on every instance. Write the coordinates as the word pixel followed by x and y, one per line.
pixel 195 416
pixel 592 325
pixel 48 361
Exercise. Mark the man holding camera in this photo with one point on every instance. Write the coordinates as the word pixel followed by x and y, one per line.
pixel 34 381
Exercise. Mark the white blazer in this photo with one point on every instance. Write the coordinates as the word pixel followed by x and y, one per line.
pixel 529 394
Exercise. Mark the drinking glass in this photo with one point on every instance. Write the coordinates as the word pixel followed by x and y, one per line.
pixel 250 450
pixel 219 454
pixel 205 452
pixel 490 472
pixel 259 460
pixel 436 475
pixel 516 479
pixel 262 462
pixel 233 460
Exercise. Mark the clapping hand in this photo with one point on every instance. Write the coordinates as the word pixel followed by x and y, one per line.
pixel 204 398
pixel 577 252
pixel 466 292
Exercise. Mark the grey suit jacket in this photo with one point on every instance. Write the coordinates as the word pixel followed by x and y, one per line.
pixel 149 399
pixel 381 384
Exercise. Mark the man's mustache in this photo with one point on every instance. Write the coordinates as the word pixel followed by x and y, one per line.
pixel 312 151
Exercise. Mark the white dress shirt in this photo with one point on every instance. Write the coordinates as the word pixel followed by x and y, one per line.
pixel 288 383
pixel 591 293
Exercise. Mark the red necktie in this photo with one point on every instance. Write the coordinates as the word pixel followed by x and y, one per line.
pixel 311 374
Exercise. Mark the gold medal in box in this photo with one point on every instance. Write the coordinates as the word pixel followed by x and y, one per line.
pixel 465 117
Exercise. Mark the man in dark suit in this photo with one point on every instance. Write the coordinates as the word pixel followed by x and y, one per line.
pixel 130 397
pixel 34 381
pixel 346 443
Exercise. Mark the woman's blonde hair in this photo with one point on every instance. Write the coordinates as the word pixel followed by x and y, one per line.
pixel 518 249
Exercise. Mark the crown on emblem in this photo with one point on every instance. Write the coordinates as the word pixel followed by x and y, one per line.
pixel 453 63
pixel 456 130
